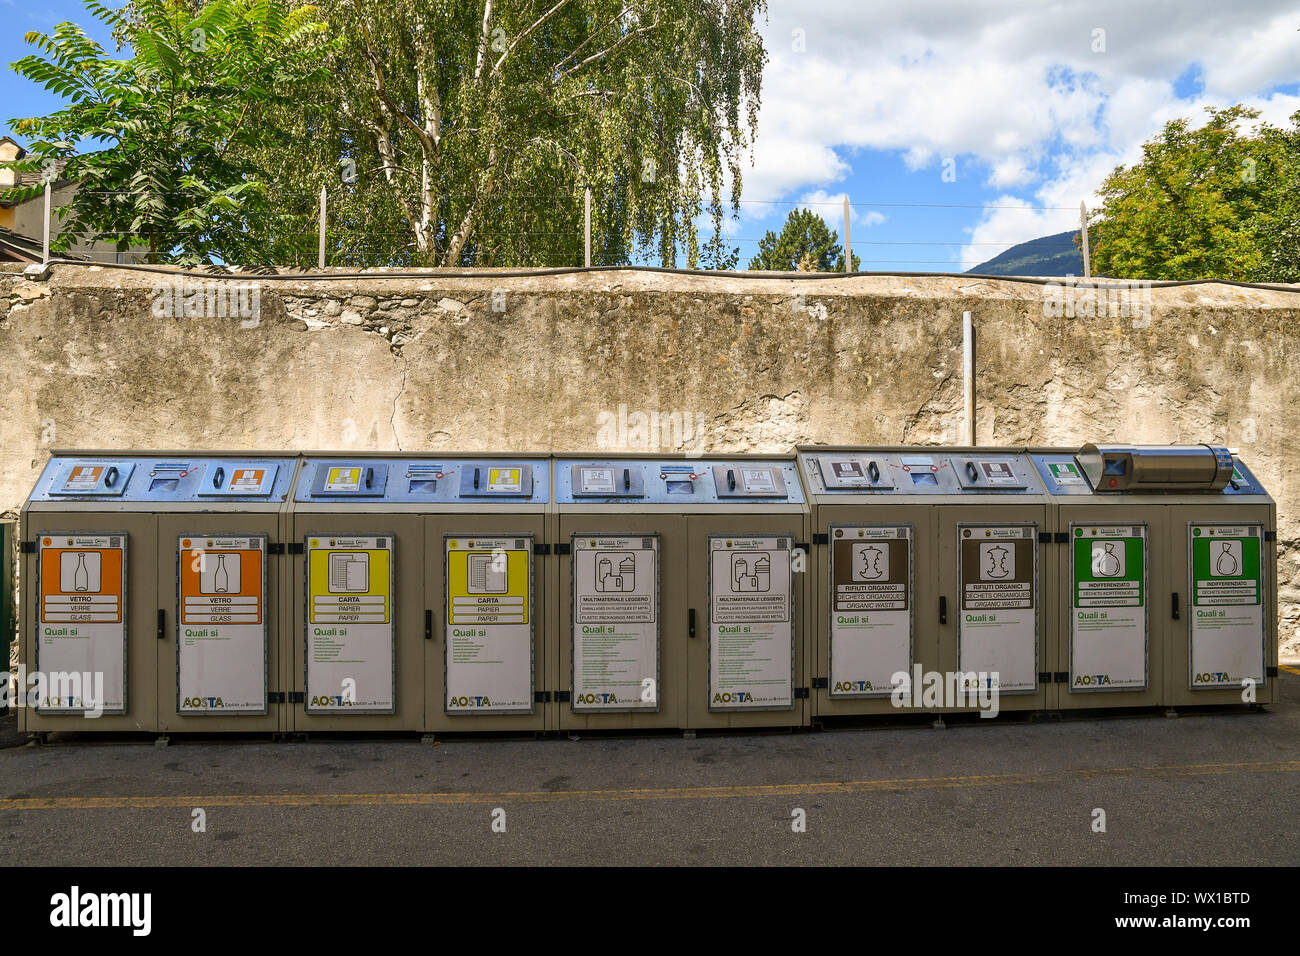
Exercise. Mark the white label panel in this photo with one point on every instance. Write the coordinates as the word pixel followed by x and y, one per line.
pixel 489 623
pixel 81 623
pixel 997 622
pixel 350 636
pixel 751 634
pixel 615 622
pixel 871 608
pixel 1226 623
pixel 221 625
pixel 1108 612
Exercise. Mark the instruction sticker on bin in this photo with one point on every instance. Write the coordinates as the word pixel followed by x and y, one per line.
pixel 221 625
pixel 751 632
pixel 489 624
pixel 81 627
pixel 615 623
pixel 1227 613
pixel 342 480
pixel 997 627
pixel 871 608
pixel 1108 614
pixel 350 634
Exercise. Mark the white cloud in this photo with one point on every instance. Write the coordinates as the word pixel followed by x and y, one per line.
pixel 1015 91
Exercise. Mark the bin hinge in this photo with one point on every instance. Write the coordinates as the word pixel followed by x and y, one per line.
pixel 1270 671
pixel 27 547
pixel 1270 535
pixel 801 693
pixel 275 547
pixel 540 547
pixel 428 624
pixel 820 538
pixel 1044 677
pixel 821 682
pixel 275 697
pixel 564 547
pixel 296 547
pixel 802 546
pixel 1044 537
pixel 563 696
pixel 542 697
pixel 297 697
pixel 1062 537
pixel 1061 677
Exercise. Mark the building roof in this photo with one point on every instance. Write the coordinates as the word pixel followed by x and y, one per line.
pixel 15 247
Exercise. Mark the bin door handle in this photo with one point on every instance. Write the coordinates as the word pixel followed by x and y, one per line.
pixel 1174 605
pixel 874 471
pixel 627 479
pixel 690 622
pixel 943 609
pixel 475 479
pixel 972 471
pixel 110 479
pixel 428 624
pixel 370 477
pixel 731 480
pixel 162 625
pixel 219 474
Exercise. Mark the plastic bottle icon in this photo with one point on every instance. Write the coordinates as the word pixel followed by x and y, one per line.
pixel 81 577
pixel 1226 564
pixel 221 577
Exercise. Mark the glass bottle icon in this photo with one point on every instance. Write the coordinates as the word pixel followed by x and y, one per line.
pixel 81 577
pixel 221 577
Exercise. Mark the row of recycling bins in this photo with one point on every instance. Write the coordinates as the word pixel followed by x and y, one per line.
pixel 318 592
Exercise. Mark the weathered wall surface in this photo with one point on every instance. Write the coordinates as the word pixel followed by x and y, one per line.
pixel 545 362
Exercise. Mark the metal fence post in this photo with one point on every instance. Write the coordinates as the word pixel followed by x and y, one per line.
pixel 968 375
pixel 1083 225
pixel 320 253
pixel 586 227
pixel 45 237
pixel 848 243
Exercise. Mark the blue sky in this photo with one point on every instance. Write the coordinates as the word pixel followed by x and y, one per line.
pixel 1027 104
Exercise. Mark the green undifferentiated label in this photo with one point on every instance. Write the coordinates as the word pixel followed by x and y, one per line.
pixel 1108 614
pixel 1227 613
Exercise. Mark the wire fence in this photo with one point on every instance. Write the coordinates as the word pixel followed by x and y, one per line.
pixel 302 229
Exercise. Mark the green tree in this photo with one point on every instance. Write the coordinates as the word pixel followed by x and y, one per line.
pixel 805 244
pixel 162 130
pixel 473 126
pixel 1218 201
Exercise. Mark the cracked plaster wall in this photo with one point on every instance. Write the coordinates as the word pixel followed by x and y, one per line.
pixel 568 362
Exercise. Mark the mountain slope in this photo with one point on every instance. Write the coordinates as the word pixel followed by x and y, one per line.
pixel 1049 256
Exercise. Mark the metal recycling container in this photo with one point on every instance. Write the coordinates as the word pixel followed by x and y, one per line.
pixel 421 596
pixel 1167 576
pixel 157 577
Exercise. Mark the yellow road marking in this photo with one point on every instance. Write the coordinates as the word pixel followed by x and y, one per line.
pixel 1290 670
pixel 665 793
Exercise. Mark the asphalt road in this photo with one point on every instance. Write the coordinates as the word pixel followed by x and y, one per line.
pixel 1219 789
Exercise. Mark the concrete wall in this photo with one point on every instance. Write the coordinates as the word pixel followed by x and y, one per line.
pixel 570 362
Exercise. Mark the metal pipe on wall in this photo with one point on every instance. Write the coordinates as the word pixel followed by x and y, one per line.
pixel 968 376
